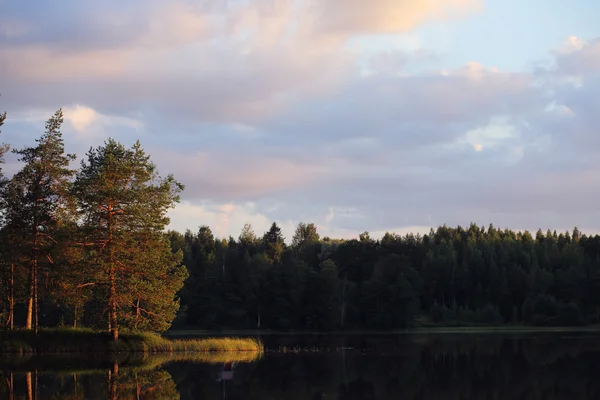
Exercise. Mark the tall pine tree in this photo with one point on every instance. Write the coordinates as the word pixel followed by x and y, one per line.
pixel 273 242
pixel 42 187
pixel 123 204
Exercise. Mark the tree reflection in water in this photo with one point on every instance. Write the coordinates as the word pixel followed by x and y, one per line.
pixel 384 367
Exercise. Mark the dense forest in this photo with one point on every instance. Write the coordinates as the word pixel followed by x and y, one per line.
pixel 449 277
pixel 89 247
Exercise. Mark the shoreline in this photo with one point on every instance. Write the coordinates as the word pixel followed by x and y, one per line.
pixel 190 341
pixel 415 331
pixel 62 341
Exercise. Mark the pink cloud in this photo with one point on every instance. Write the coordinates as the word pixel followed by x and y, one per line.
pixel 237 63
pixel 225 175
pixel 385 16
pixel 41 64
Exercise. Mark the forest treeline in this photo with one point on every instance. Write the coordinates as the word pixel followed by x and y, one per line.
pixel 449 277
pixel 87 245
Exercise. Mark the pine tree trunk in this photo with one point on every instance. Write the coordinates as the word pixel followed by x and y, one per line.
pixel 75 385
pixel 112 294
pixel 114 376
pixel 34 270
pixel 137 314
pixel 35 297
pixel 11 300
pixel 138 388
pixel 29 319
pixel 29 311
pixel 108 383
pixel 11 387
pixel 113 305
pixel 112 302
pixel 36 388
pixel 75 317
pixel 29 386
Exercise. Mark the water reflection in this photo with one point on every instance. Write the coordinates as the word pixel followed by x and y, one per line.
pixel 113 385
pixel 94 377
pixel 329 367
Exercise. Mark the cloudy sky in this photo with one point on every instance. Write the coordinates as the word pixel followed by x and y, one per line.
pixel 379 115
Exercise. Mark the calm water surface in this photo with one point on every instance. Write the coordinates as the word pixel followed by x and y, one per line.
pixel 436 366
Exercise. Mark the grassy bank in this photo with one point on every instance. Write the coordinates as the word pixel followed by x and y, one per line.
pixel 50 341
pixel 178 333
pixel 90 363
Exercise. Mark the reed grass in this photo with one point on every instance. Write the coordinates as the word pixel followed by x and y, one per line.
pixel 66 340
pixel 93 363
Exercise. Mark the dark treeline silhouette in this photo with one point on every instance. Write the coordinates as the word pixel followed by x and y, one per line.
pixel 449 277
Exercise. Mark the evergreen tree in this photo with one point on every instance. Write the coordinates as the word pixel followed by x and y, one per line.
pixel 451 276
pixel 273 242
pixel 42 187
pixel 200 286
pixel 123 204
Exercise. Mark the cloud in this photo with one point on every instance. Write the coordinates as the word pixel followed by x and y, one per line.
pixel 376 148
pixel 224 219
pixel 24 64
pixel 410 111
pixel 384 16
pixel 81 124
pixel 267 110
pixel 497 135
pixel 533 164
pixel 394 62
pixel 230 222
pixel 86 120
pixel 572 44
pixel 104 25
pixel 234 174
pixel 579 57
pixel 179 23
pixel 233 62
pixel 12 29
pixel 81 117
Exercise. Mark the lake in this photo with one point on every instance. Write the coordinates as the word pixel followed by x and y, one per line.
pixel 423 366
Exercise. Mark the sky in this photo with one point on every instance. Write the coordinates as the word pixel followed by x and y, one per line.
pixel 380 115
